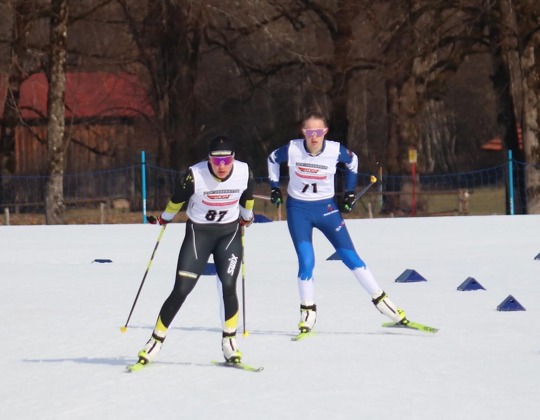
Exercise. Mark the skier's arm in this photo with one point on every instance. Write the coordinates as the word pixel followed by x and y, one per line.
pixel 276 157
pixel 182 192
pixel 350 160
pixel 247 201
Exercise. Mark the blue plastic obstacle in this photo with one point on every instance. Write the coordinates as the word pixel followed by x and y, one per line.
pixel 537 257
pixel 410 276
pixel 102 260
pixel 470 284
pixel 510 304
pixel 333 257
pixel 259 218
pixel 209 269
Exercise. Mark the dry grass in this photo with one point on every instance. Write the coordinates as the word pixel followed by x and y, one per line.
pixel 485 201
pixel 482 201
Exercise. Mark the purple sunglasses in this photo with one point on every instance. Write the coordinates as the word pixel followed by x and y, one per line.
pixel 310 132
pixel 218 160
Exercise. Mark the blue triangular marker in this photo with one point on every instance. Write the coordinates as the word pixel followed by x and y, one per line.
pixel 333 257
pixel 470 284
pixel 537 257
pixel 510 304
pixel 409 276
pixel 209 269
pixel 259 218
pixel 102 261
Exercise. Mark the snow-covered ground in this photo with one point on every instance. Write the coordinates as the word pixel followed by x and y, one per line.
pixel 63 355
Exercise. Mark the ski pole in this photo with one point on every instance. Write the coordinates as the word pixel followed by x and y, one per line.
pixel 372 180
pixel 124 328
pixel 245 333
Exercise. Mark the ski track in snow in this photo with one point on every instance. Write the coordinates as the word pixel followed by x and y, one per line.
pixel 64 355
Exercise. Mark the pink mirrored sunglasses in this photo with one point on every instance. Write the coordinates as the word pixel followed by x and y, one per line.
pixel 218 160
pixel 310 132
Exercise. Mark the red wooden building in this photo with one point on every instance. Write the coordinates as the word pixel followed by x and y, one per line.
pixel 108 122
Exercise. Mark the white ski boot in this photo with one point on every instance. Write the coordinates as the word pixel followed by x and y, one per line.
pixel 230 348
pixel 388 308
pixel 308 317
pixel 151 349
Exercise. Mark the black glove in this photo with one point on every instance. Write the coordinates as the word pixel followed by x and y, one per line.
pixel 347 203
pixel 154 220
pixel 276 197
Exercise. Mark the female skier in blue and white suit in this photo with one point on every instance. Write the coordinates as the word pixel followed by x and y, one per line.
pixel 312 163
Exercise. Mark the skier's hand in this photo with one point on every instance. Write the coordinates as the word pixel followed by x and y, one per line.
pixel 347 203
pixel 246 223
pixel 155 220
pixel 276 197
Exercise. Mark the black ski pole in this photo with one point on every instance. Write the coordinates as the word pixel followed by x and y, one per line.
pixel 245 333
pixel 124 328
pixel 372 180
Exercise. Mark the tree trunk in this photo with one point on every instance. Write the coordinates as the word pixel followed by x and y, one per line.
pixel 177 59
pixel 506 79
pixel 437 138
pixel 12 117
pixel 343 38
pixel 406 99
pixel 392 104
pixel 54 197
pixel 8 164
pixel 404 105
pixel 358 137
pixel 531 126
pixel 10 122
pixel 408 123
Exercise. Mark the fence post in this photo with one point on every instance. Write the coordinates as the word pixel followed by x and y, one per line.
pixel 510 183
pixel 413 157
pixel 143 184
pixel 102 213
pixel 380 175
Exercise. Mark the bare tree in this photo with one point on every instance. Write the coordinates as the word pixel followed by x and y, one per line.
pixel 167 37
pixel 54 195
pixel 200 57
pixel 424 44
pixel 23 62
pixel 529 27
pixel 252 68
pixel 518 27
pixel 514 40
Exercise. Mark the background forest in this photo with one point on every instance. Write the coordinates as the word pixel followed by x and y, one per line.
pixel 441 77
